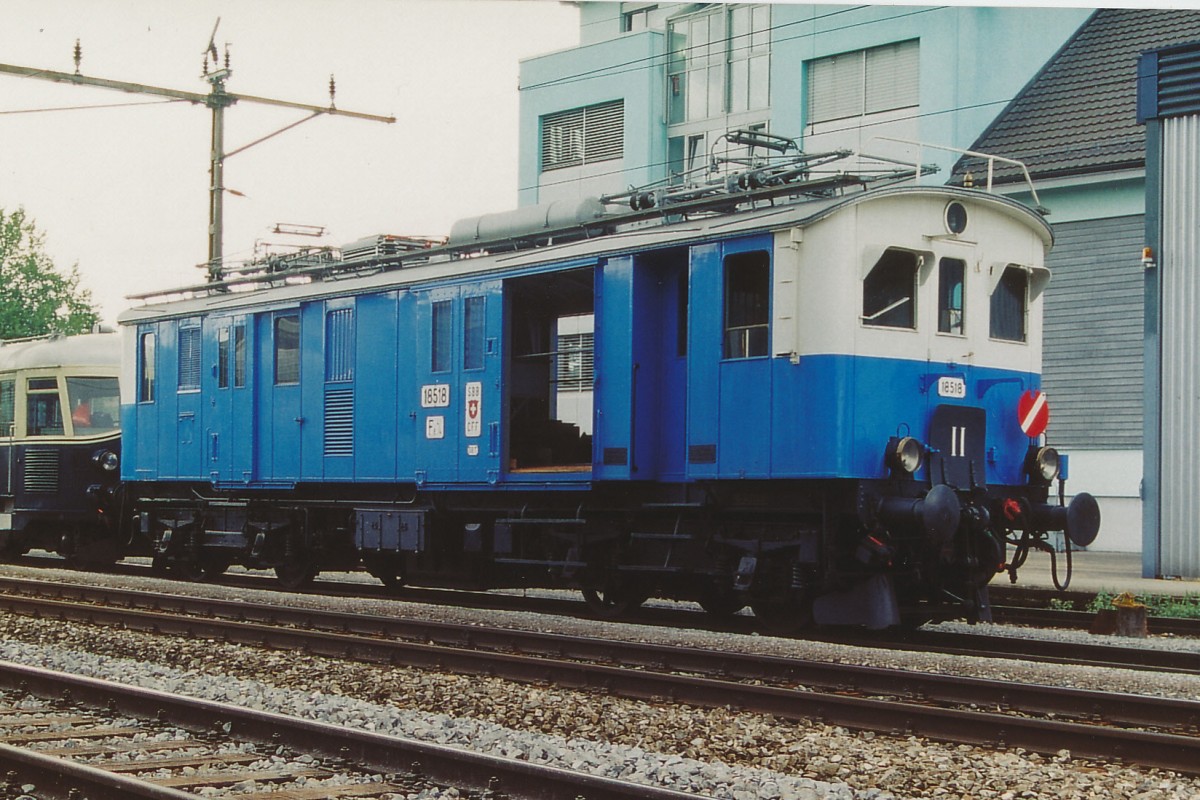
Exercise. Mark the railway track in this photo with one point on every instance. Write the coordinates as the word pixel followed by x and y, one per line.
pixel 1011 607
pixel 973 643
pixel 1143 730
pixel 80 737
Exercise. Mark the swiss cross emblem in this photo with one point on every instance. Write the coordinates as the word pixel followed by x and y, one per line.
pixel 473 408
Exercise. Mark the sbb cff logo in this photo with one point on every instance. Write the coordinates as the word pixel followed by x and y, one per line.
pixel 1033 413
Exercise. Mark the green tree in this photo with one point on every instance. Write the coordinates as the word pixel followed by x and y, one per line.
pixel 36 298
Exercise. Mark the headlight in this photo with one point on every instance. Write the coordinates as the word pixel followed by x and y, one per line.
pixel 905 454
pixel 107 460
pixel 1045 464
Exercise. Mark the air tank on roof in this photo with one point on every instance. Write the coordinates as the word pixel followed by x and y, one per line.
pixel 556 220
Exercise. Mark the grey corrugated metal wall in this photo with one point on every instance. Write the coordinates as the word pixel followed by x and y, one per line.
pixel 1092 354
pixel 1179 552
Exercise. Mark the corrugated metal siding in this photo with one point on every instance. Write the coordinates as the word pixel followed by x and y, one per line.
pixel 1092 353
pixel 1179 552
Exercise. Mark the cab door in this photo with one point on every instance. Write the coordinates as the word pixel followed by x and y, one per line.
pixel 230 420
pixel 481 326
pixel 729 359
pixel 441 395
pixel 279 417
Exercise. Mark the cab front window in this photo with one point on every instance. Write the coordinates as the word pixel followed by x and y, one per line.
pixel 95 405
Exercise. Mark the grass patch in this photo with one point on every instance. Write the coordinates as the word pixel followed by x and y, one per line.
pixel 1157 605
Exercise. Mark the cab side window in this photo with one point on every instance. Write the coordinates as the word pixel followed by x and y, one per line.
pixel 890 291
pixel 1010 300
pixel 951 272
pixel 747 304
pixel 43 410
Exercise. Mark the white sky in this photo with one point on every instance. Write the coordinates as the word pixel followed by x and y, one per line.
pixel 123 192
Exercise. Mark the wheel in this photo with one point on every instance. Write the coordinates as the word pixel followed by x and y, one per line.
pixel 296 574
pixel 611 603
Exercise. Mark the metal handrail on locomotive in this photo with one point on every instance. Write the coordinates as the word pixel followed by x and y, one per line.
pixel 790 386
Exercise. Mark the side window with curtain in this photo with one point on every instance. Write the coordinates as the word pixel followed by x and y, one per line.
pixel 189 359
pixel 8 406
pixel 442 321
pixel 1009 305
pixel 474 332
pixel 339 345
pixel 239 356
pixel 287 349
pixel 146 368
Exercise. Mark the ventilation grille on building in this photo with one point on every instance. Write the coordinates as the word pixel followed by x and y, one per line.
pixel 41 471
pixel 339 422
pixel 1178 73
pixel 583 135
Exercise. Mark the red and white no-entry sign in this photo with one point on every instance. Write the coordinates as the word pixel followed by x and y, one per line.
pixel 1033 412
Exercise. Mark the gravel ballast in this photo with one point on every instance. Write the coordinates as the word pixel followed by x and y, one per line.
pixel 716 752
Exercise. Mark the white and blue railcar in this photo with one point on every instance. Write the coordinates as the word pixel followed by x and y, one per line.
pixel 60 445
pixel 808 404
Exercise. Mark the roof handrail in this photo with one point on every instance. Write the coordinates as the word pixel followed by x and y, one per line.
pixel 991 164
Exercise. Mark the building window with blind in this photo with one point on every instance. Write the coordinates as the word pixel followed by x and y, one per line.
pixel 583 135
pixel 864 82
pixel 719 62
pixel 189 359
pixel 575 368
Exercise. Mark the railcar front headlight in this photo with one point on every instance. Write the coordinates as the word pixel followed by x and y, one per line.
pixel 107 460
pixel 1044 464
pixel 905 454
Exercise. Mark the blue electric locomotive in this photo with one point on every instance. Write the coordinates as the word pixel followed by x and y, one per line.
pixel 60 446
pixel 784 388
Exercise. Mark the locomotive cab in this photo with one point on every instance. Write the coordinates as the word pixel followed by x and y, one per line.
pixel 939 330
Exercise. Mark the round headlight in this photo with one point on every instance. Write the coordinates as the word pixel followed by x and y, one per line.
pixel 906 454
pixel 107 460
pixel 1046 463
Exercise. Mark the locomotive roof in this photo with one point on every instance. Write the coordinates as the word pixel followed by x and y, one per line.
pixel 686 232
pixel 87 350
